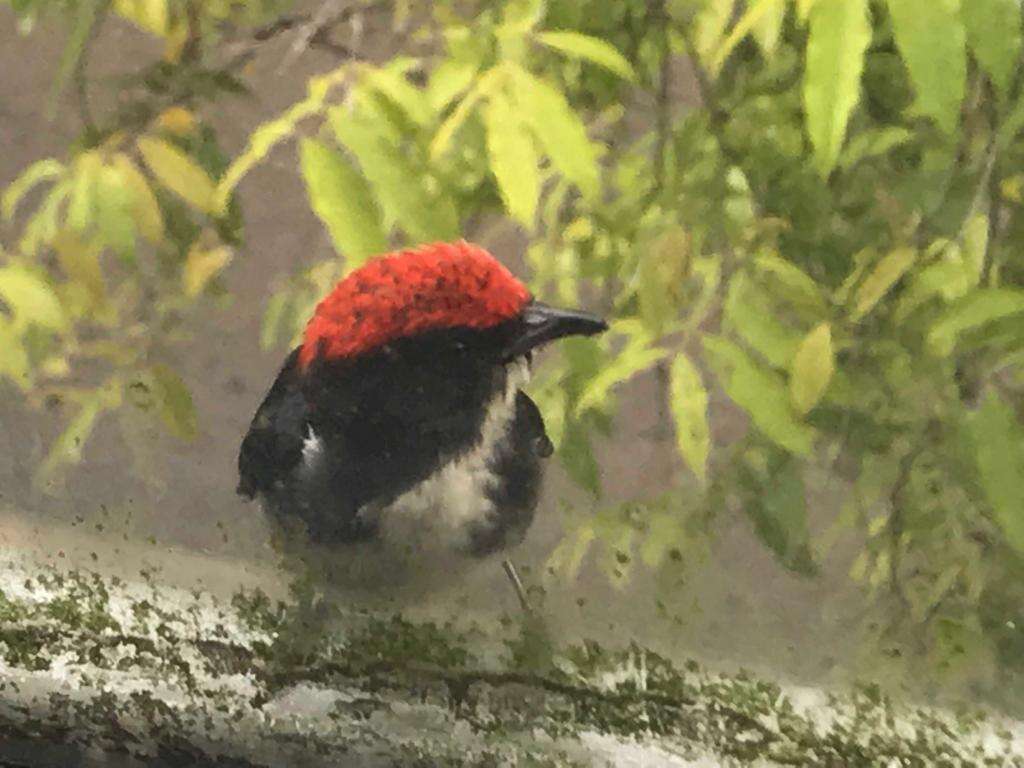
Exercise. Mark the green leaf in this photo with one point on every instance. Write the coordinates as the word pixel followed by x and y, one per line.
pixel 592 49
pixel 399 184
pixel 874 143
pixel 174 402
pixel 749 312
pixel 993 30
pixel 30 298
pixel 201 266
pixel 791 284
pixel 930 35
pixel 760 392
pixel 343 201
pixel 67 448
pixel 179 173
pixel 883 277
pixel 559 130
pixel 998 443
pixel 689 403
pixel 840 31
pixel 35 174
pixel 813 366
pixel 978 308
pixel 513 160
pixel 777 506
pixel 577 456
pixel 274 321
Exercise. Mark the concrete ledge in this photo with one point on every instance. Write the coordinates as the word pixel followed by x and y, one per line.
pixel 103 669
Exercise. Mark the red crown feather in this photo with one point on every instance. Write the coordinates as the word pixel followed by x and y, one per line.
pixel 443 285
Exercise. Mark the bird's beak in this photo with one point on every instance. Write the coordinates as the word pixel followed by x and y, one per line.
pixel 540 324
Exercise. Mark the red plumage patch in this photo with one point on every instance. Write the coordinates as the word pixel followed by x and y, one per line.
pixel 444 285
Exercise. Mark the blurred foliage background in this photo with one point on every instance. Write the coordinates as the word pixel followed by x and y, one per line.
pixel 830 239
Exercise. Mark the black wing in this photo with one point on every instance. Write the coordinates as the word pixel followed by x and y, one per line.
pixel 272 448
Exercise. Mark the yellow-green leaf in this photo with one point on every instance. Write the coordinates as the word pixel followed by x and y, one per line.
pixel 840 31
pixel 150 15
pixel 636 357
pixel 80 261
pixel 813 366
pixel 931 38
pixel 592 49
pixel 975 248
pixel 392 83
pixel 399 183
pixel 177 120
pixel 559 130
pixel 567 558
pixel 174 402
pixel 484 86
pixel 709 27
pixel 759 11
pixel 30 177
pixel 30 298
pixel 803 9
pixel 343 201
pixel 750 313
pixel 14 362
pixel 448 80
pixel 760 392
pixel 201 266
pixel 270 134
pixel 994 32
pixel 85 182
pixel 145 208
pixel 689 403
pixel 768 27
pixel 115 212
pixel 513 159
pixel 179 173
pixel 883 277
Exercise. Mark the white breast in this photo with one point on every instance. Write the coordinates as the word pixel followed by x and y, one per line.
pixel 439 513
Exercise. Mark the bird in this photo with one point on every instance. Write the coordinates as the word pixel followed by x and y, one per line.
pixel 400 421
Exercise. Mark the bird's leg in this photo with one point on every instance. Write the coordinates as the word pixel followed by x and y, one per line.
pixel 517 584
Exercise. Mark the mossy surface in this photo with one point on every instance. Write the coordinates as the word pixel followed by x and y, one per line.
pixel 142 671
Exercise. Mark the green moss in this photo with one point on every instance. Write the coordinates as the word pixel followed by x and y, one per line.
pixel 544 687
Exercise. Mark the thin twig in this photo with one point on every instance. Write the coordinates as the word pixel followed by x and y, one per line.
pixel 658 16
pixel 80 74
